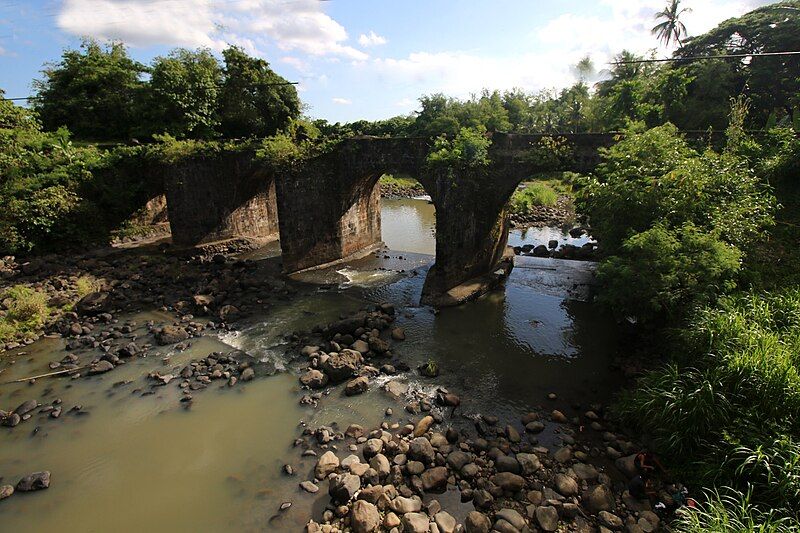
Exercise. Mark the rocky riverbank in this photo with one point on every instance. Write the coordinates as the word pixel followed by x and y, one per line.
pixel 433 465
pixel 491 475
pixel 401 190
pixel 204 282
pixel 561 214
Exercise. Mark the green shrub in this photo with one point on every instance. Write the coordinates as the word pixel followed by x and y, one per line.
pixel 26 311
pixel 655 178
pixel 662 272
pixel 550 153
pixel 469 149
pixel 533 195
pixel 279 150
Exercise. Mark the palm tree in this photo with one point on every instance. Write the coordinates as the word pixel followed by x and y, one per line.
pixel 671 28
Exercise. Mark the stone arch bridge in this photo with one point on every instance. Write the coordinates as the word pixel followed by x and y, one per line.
pixel 327 209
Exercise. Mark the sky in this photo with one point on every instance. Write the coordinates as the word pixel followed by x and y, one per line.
pixel 358 59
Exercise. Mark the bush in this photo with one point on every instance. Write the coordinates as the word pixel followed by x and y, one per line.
pixel 662 272
pixel 26 311
pixel 469 149
pixel 655 178
pixel 533 195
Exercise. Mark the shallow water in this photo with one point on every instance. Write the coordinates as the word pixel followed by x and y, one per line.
pixel 139 462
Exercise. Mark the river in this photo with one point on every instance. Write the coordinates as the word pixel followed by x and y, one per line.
pixel 139 461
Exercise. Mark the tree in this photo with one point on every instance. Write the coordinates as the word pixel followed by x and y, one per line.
pixel 254 100
pixel 95 91
pixel 184 88
pixel 771 82
pixel 671 29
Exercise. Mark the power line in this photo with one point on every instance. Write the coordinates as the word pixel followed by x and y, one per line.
pixel 695 58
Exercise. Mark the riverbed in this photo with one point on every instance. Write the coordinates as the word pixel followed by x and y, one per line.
pixel 138 461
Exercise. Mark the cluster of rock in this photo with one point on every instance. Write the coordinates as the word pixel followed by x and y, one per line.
pixel 586 252
pixel 393 190
pixel 29 483
pixel 199 374
pixel 349 345
pixel 385 479
pixel 25 412
pixel 127 280
pixel 542 215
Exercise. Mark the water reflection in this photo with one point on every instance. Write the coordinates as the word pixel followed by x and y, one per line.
pixel 143 463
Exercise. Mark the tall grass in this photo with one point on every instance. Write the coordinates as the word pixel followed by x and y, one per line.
pixel 727 411
pixel 26 311
pixel 732 513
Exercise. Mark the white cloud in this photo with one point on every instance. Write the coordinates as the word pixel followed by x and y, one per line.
pixel 341 101
pixel 371 39
pixel 299 25
pixel 559 44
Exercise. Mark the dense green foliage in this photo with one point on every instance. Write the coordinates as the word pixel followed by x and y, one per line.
pixel 727 409
pixel 184 88
pixel 96 92
pixel 99 93
pixel 663 272
pixel 674 223
pixel 681 230
pixel 469 148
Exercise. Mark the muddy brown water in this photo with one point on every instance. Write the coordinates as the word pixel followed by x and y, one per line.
pixel 137 462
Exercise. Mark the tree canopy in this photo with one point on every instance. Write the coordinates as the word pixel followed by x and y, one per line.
pixel 98 92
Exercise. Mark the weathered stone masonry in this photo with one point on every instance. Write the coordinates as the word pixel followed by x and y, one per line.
pixel 328 208
pixel 212 199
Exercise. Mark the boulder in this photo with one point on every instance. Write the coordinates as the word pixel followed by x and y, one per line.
pixel 529 462
pixel 509 482
pixel 512 517
pixel 609 520
pixel 435 479
pixel 415 523
pixel 361 346
pixel 477 523
pixel 94 303
pixel 356 386
pixel 421 450
pixel 457 460
pixel 35 481
pixel 506 463
pixel 378 345
pixel 599 498
pixel 26 407
pixel 341 366
pixel 423 426
pixel 364 517
pixel 326 464
pixel 402 505
pixel 171 335
pixel 547 517
pixel 342 488
pixel 100 367
pixel 565 485
pixel 6 491
pixel 314 379
pixel 445 522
